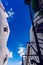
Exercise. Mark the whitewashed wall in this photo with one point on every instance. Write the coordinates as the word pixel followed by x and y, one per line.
pixel 3 36
pixel 32 38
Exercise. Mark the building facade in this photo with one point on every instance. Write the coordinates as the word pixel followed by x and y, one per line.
pixel 4 34
pixel 31 50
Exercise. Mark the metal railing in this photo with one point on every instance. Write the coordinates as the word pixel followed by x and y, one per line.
pixel 35 35
pixel 32 59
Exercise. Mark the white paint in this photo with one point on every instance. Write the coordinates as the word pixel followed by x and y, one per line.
pixel 4 36
pixel 32 39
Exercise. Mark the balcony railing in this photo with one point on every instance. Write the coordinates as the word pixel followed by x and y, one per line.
pixel 28 58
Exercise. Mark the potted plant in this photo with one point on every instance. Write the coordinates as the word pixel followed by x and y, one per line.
pixel 36 7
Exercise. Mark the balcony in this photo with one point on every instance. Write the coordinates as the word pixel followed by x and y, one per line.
pixel 32 54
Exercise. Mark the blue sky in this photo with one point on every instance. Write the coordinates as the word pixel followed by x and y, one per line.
pixel 19 23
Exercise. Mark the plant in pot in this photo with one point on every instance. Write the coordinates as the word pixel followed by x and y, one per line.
pixel 37 5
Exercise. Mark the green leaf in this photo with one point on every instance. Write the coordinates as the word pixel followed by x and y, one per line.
pixel 34 4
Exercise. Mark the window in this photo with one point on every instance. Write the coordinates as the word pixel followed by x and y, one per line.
pixel 5 59
pixel 39 28
pixel 5 29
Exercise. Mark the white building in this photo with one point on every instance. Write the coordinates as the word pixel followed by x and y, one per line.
pixel 38 24
pixel 31 50
pixel 4 34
